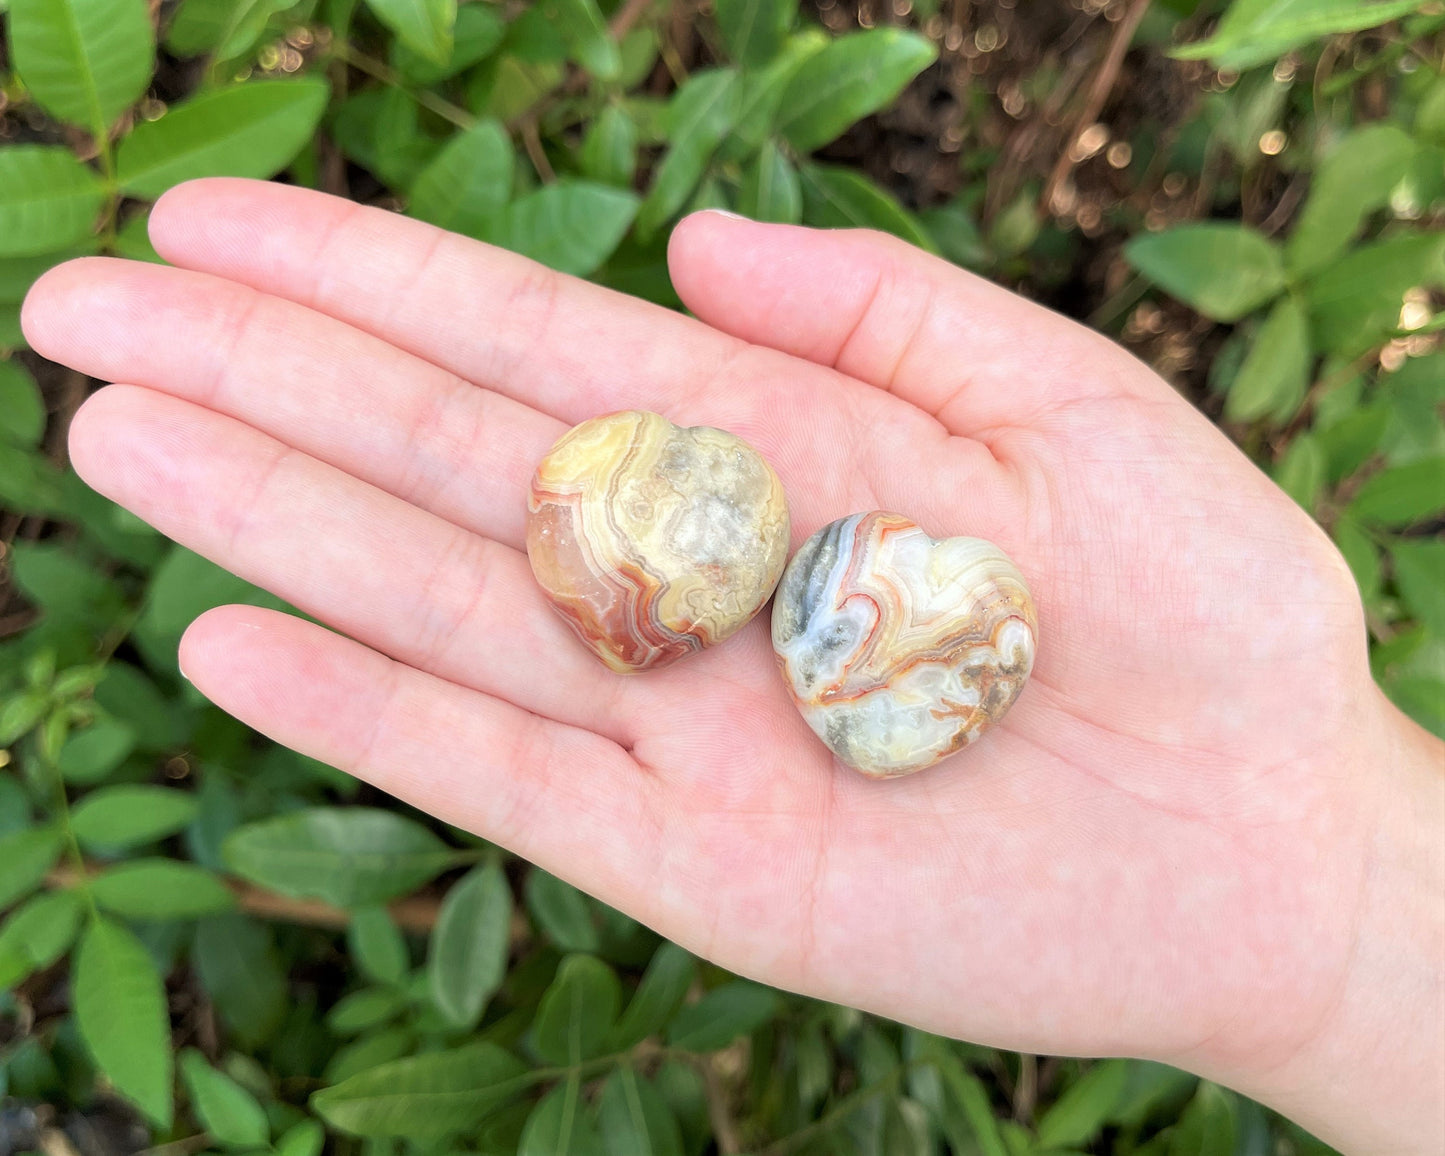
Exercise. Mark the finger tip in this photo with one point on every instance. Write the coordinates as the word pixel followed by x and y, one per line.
pixel 50 303
pixel 693 245
pixel 91 439
pixel 219 641
pixel 189 210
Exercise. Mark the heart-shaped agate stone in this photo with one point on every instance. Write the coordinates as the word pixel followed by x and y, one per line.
pixel 654 540
pixel 898 648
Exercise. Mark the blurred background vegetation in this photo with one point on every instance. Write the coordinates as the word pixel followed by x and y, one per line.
pixel 209 943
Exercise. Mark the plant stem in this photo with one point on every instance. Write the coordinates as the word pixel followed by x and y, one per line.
pixel 79 880
pixel 453 114
pixel 847 1105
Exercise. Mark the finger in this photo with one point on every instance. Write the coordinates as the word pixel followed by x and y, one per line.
pixel 970 353
pixel 400 580
pixel 331 391
pixel 562 797
pixel 567 347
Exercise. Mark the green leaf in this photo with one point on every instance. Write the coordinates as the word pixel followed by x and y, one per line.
pixel 516 86
pixel 664 986
pixel 839 198
pixel 89 756
pixel 183 588
pixel 754 29
pixel 126 816
pixel 84 61
pixel 634 1118
pixel 64 585
pixel 425 26
pixel 853 76
pixel 1223 271
pixel 699 116
pixel 238 967
pixel 11 337
pixel 1255 32
pixel 25 857
pixel 1150 1086
pixel 1355 179
pixel 478 33
pixel 722 1015
pixel 424 1097
pixel 1420 574
pixel 37 934
pixel 762 94
pixel 380 129
pixel 377 946
pixel 571 226
pixel 1402 495
pixel 609 150
pixel 559 1125
pixel 365 1009
pixel 160 889
pixel 1207 1127
pixel 19 715
pixel 224 1109
pixel 304 1139
pixel 585 32
pixel 224 28
pixel 560 912
pixel 120 1007
pixel 1430 114
pixel 467 182
pixel 247 130
pixel 1080 1114
pixel 1275 374
pixel 771 190
pixel 349 856
pixel 369 1051
pixel 577 1011
pixel 1349 442
pixel 956 234
pixel 1361 555
pixel 15 812
pixel 1422 698
pixel 48 199
pixel 467 960
pixel 1301 471
pixel 124 692
pixel 1355 303
pixel 971 1097
pixel 22 410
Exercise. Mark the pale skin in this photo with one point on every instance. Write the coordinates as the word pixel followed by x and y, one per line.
pixel 1201 836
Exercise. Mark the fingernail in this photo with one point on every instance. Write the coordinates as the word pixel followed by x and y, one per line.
pixel 728 213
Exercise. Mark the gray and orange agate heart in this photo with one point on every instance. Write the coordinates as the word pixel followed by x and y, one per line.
pixel 898 648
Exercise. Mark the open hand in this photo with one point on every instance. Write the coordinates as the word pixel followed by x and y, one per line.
pixel 1157 853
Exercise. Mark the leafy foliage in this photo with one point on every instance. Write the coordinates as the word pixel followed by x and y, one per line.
pixel 365 974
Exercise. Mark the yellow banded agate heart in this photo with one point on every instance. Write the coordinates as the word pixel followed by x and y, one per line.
pixel 900 649
pixel 653 540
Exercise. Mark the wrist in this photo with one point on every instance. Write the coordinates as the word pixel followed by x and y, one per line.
pixel 1368 1075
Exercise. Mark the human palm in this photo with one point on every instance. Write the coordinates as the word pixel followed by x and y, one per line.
pixel 345 406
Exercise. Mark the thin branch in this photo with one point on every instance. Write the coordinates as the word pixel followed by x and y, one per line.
pixel 628 15
pixel 416 914
pixel 724 1130
pixel 532 142
pixel 452 113
pixel 849 1103
pixel 1099 93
